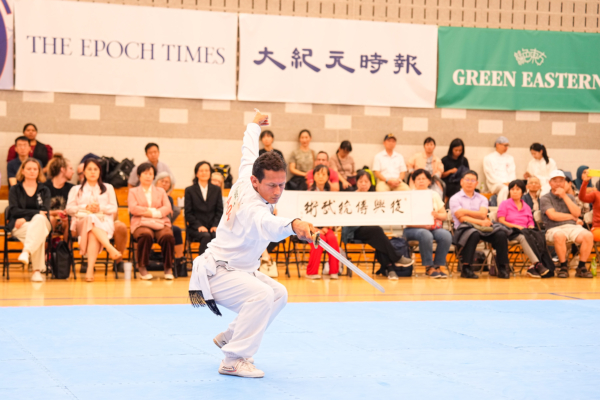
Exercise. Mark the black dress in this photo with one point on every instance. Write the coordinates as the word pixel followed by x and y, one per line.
pixel 452 183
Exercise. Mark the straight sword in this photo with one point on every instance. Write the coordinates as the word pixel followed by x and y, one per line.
pixel 346 262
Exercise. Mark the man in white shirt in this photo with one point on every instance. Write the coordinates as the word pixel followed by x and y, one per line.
pixel 389 167
pixel 499 168
pixel 227 273
pixel 152 152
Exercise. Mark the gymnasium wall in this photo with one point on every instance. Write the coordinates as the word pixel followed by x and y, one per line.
pixel 193 130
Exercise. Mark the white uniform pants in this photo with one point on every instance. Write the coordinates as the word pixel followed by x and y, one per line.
pixel 501 190
pixel 256 298
pixel 33 235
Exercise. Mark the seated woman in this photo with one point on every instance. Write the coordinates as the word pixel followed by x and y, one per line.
pixel 516 214
pixel 374 236
pixel 343 163
pixel 430 163
pixel 60 172
pixel 267 138
pixel 321 184
pixel 28 208
pixel 163 180
pixel 301 161
pixel 149 207
pixel 455 164
pixel 592 197
pixel 92 206
pixel 427 234
pixel 203 207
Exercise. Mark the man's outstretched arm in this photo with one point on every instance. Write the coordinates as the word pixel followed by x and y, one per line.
pixel 250 146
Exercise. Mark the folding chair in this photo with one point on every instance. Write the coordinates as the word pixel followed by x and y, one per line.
pixel 362 253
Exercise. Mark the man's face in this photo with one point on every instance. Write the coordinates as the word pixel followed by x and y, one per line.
pixel 557 183
pixel 533 185
pixel 322 159
pixel 22 148
pixel 271 187
pixel 468 182
pixel 390 144
pixel 501 148
pixel 153 154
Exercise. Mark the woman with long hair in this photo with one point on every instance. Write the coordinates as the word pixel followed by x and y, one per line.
pixel 92 206
pixel 60 172
pixel 541 165
pixel 27 215
pixel 455 164
pixel 301 161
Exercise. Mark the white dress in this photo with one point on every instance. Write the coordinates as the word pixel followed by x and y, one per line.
pixel 541 170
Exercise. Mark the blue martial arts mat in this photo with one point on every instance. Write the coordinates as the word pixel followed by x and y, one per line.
pixel 379 350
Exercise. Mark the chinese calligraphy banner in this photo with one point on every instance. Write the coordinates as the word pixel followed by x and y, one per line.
pixel 82 47
pixel 333 61
pixel 358 208
pixel 6 45
pixel 503 69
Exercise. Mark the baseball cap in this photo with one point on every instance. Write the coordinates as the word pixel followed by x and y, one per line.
pixel 501 140
pixel 556 174
pixel 389 136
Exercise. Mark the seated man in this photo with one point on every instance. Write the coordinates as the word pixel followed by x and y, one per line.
pixel 22 148
pixel 499 168
pixel 152 152
pixel 38 150
pixel 334 179
pixel 560 214
pixel 470 209
pixel 389 167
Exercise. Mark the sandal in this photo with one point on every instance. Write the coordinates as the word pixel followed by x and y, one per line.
pixel 563 273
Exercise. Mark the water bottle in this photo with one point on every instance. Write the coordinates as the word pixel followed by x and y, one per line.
pixel 593 266
pixel 127 268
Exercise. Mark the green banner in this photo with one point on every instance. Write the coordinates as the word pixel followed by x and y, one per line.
pixel 501 69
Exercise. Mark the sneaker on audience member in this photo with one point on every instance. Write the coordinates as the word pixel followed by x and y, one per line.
pixel 392 276
pixel 432 272
pixel 333 276
pixel 37 277
pixel 312 276
pixel 443 275
pixel 533 273
pixel 242 368
pixel 405 262
pixel 541 269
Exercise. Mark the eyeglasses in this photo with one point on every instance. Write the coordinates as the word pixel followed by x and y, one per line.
pixel 470 180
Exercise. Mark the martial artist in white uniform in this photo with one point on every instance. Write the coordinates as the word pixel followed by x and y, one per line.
pixel 227 273
pixel 499 168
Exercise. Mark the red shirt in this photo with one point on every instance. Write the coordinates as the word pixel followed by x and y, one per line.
pixel 12 154
pixel 593 198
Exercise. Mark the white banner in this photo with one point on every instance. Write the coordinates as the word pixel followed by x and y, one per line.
pixel 334 61
pixel 80 47
pixel 6 45
pixel 412 207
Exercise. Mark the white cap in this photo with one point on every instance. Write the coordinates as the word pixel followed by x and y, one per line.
pixel 557 173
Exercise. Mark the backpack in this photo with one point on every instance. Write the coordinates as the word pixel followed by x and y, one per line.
pixel 62 260
pixel 225 170
pixel 402 249
pixel 119 176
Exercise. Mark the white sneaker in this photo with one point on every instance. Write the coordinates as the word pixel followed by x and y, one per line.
pixel 24 258
pixel 220 341
pixel 243 368
pixel 37 277
pixel 312 276
pixel 333 276
pixel 326 269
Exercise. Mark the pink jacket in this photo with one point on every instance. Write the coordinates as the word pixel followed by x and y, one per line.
pixel 79 200
pixel 138 205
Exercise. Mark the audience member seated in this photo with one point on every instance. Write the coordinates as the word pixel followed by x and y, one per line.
pixel 540 166
pixel 334 180
pixel 343 164
pixel 267 138
pixel 430 163
pixel 149 207
pixel 532 197
pixel 92 207
pixel 560 214
pixel 28 208
pixel 23 149
pixel 517 215
pixel 301 161
pixel 375 237
pixel 427 234
pixel 592 197
pixel 499 168
pixel 321 184
pixel 203 207
pixel 469 211
pixel 40 151
pixel 455 165
pixel 152 152
pixel 60 172
pixel 216 178
pixel 163 180
pixel 579 178
pixel 389 167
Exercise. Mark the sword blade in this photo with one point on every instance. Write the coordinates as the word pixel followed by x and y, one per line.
pixel 353 267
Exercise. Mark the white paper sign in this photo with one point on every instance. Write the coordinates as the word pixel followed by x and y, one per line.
pixel 6 45
pixel 358 208
pixel 334 61
pixel 81 47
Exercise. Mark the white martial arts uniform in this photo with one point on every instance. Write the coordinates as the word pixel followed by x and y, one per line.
pixel 542 170
pixel 499 169
pixel 232 259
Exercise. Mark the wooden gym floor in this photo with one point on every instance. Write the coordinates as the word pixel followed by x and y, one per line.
pixel 20 291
